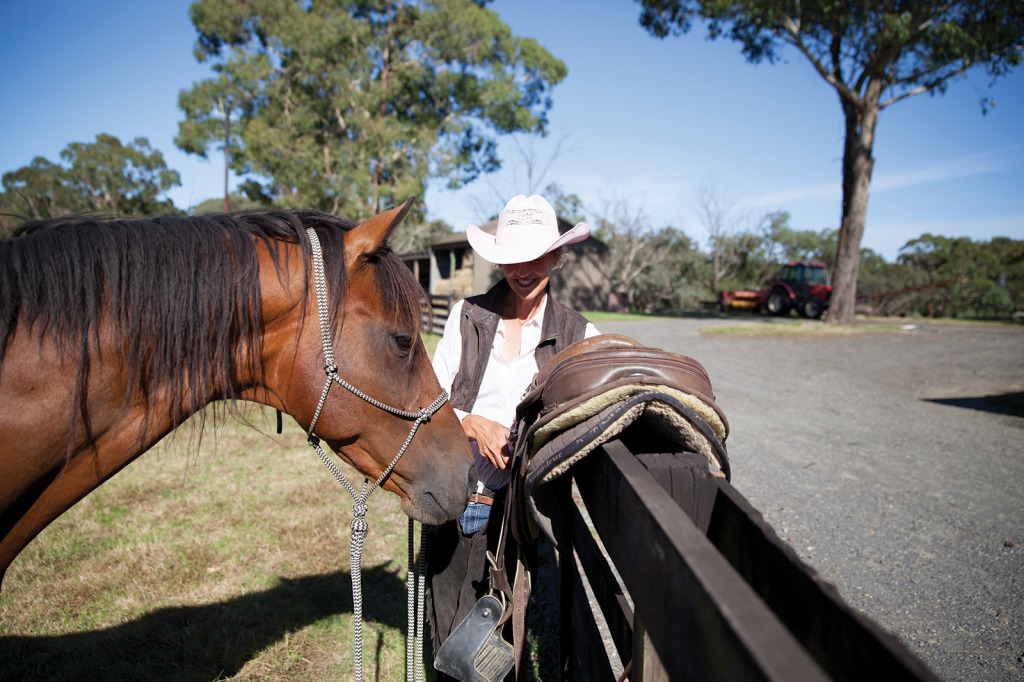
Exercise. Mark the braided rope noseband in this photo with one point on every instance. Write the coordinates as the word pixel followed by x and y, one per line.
pixel 359 525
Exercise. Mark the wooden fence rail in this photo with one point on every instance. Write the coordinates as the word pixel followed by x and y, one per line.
pixel 436 315
pixel 699 586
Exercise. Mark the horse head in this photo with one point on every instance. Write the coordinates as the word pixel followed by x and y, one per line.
pixel 378 352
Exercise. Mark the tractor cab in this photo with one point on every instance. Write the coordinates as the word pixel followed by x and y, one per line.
pixel 808 274
pixel 801 286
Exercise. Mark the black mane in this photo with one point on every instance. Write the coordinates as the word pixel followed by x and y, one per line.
pixel 182 293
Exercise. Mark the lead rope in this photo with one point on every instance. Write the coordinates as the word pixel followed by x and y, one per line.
pixel 415 587
pixel 359 525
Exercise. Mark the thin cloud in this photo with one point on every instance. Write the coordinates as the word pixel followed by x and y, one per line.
pixel 982 163
pixel 783 197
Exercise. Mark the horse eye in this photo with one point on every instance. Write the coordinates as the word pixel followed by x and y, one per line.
pixel 405 341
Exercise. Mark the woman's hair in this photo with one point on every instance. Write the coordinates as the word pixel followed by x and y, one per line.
pixel 561 256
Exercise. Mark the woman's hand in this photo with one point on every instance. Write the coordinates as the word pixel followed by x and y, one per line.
pixel 491 439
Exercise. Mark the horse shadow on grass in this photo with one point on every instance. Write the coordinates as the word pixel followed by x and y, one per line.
pixel 209 641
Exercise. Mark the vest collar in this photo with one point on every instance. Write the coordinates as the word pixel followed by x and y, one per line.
pixel 487 311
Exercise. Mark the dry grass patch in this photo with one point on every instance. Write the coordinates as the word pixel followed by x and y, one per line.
pixel 227 561
pixel 223 559
pixel 776 328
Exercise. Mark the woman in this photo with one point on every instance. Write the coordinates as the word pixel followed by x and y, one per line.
pixel 492 346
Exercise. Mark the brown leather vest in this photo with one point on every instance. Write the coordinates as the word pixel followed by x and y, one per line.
pixel 561 327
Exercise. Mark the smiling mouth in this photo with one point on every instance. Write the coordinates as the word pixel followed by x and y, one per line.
pixel 526 283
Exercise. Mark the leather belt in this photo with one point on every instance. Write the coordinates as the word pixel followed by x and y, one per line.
pixel 481 499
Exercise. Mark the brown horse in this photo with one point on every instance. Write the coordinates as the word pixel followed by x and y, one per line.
pixel 112 333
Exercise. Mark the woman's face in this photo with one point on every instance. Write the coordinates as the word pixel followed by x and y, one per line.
pixel 529 280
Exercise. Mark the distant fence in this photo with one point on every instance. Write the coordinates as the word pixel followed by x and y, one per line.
pixel 436 315
pixel 702 587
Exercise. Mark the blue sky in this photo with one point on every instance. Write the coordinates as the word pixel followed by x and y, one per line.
pixel 638 120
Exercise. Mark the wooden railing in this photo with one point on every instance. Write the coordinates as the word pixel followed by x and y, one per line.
pixel 693 584
pixel 435 316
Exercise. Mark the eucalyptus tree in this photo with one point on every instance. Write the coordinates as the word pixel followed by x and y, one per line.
pixel 355 104
pixel 874 54
pixel 105 176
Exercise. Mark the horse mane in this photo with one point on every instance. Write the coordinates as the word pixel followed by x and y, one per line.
pixel 182 292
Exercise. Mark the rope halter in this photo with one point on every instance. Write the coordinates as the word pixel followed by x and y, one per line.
pixel 359 525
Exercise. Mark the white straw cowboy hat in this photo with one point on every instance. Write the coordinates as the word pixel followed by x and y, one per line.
pixel 527 229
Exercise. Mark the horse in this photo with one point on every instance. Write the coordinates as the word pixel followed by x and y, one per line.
pixel 115 332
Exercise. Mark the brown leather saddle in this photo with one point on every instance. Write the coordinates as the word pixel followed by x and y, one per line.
pixel 607 387
pixel 601 388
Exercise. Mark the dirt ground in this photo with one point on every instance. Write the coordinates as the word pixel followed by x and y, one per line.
pixel 893 462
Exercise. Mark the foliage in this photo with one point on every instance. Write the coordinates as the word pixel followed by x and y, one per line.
pixel 873 54
pixel 236 202
pixel 353 104
pixel 625 228
pixel 780 243
pixel 674 280
pixel 568 207
pixel 933 276
pixel 985 279
pixel 412 236
pixel 103 176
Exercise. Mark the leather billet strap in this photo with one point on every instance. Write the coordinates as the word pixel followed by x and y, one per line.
pixel 517 594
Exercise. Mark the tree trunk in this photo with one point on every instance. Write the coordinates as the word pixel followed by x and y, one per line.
pixel 861 118
pixel 227 158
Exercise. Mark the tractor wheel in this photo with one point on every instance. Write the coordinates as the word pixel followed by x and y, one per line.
pixel 778 302
pixel 812 308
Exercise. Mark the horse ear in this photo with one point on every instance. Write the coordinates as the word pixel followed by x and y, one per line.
pixel 373 233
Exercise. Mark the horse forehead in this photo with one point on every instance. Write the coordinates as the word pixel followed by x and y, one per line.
pixel 363 296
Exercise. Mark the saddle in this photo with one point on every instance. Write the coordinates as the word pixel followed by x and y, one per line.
pixel 605 387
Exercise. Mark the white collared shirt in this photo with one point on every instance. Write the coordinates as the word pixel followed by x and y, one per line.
pixel 503 382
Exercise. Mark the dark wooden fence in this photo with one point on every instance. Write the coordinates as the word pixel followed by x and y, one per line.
pixel 699 586
pixel 436 315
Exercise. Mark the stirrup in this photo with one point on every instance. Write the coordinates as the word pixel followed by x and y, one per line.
pixel 475 651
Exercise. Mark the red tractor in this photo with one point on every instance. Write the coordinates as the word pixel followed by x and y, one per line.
pixel 800 286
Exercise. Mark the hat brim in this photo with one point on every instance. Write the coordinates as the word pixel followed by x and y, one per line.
pixel 486 245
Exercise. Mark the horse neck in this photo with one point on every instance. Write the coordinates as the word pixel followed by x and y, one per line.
pixel 290 330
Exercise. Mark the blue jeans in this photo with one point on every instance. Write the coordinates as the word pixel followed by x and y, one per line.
pixel 474 518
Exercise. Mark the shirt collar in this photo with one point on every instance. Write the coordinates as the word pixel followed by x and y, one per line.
pixel 538 319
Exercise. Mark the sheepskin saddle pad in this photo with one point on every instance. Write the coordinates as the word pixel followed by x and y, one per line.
pixel 606 387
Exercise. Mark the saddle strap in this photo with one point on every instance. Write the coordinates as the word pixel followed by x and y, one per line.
pixel 517 593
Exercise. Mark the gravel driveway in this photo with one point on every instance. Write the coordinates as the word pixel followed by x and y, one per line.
pixel 876 458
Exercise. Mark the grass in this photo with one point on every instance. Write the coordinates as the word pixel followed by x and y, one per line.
pixel 226 559
pixel 796 328
pixel 598 316
pixel 430 342
pixel 230 560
